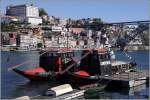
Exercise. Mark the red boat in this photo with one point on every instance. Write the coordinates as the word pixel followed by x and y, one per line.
pixel 97 63
pixel 89 69
pixel 62 66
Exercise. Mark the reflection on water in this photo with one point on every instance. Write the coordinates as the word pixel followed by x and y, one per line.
pixel 128 93
pixel 14 85
pixel 138 92
pixel 33 88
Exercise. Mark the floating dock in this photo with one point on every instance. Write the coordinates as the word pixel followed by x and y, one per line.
pixel 127 79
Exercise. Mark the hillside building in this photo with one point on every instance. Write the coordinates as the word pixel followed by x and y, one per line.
pixel 27 13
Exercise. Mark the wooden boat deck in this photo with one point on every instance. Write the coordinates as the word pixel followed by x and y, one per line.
pixel 127 76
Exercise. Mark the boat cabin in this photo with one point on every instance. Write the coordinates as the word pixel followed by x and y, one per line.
pixel 97 62
pixel 56 60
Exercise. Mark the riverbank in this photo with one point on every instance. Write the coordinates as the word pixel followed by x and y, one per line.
pixel 136 48
pixel 128 48
pixel 17 49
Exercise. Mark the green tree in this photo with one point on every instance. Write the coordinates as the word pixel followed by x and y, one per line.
pixel 144 29
pixel 145 37
pixel 97 21
pixel 39 45
pixel 42 12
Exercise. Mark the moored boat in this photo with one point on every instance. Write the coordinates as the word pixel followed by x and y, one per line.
pixel 60 64
pixel 51 64
pixel 97 64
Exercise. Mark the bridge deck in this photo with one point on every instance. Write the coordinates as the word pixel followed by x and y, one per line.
pixel 127 76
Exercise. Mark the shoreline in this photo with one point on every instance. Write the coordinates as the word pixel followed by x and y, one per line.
pixel 134 48
pixel 127 48
pixel 137 48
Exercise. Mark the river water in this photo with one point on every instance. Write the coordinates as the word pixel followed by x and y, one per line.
pixel 14 85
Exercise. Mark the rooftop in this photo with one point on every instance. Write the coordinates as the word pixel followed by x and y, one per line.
pixel 23 5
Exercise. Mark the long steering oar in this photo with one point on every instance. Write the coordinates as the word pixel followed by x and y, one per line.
pixel 26 62
pixel 19 65
pixel 70 66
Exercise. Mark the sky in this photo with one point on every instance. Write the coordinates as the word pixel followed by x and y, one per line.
pixel 107 10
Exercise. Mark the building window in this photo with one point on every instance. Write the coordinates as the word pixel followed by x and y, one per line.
pixel 11 35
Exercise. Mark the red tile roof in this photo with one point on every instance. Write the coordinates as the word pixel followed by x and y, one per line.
pixel 76 30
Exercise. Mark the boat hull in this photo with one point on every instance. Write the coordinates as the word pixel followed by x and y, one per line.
pixel 32 74
pixel 78 79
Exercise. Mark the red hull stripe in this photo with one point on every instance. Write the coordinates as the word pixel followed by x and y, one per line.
pixel 34 71
pixel 82 73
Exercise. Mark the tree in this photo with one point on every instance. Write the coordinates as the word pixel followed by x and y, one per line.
pixel 97 21
pixel 39 45
pixel 57 21
pixel 145 37
pixel 144 29
pixel 45 22
pixel 42 12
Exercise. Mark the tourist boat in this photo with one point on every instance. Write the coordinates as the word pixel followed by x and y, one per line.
pixel 97 64
pixel 51 64
pixel 62 65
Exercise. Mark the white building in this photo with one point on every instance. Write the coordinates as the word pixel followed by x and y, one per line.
pixel 57 29
pixel 28 41
pixel 27 13
pixel 24 40
pixel 62 22
pixel 33 20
